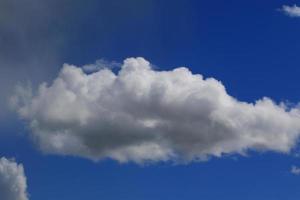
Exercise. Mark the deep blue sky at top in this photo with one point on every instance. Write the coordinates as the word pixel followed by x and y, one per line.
pixel 249 45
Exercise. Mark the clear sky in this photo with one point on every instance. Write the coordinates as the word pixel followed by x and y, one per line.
pixel 252 47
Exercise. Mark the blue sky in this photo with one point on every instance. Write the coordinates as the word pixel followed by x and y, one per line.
pixel 250 46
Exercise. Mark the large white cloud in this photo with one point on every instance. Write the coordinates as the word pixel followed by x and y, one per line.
pixel 12 180
pixel 143 115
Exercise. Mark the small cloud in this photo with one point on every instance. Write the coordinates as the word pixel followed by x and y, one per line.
pixel 292 11
pixel 295 170
pixel 13 184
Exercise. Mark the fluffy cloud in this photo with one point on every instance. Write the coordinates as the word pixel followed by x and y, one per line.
pixel 142 115
pixel 292 11
pixel 12 180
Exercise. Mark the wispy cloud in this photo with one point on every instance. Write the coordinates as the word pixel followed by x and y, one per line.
pixel 295 170
pixel 100 64
pixel 292 11
pixel 12 180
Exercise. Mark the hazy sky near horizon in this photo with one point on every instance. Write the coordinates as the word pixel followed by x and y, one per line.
pixel 149 99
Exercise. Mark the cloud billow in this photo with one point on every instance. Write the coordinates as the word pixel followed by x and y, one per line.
pixel 142 115
pixel 12 180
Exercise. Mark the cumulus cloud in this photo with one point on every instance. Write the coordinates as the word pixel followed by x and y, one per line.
pixel 142 115
pixel 295 170
pixel 292 11
pixel 12 180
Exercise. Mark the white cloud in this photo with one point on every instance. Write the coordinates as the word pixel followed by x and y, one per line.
pixel 295 170
pixel 143 115
pixel 12 180
pixel 292 11
pixel 100 64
